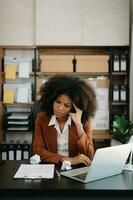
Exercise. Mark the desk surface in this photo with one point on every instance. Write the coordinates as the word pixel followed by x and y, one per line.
pixel 121 185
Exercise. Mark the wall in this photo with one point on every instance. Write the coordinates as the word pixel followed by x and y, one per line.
pixel 61 22
pixel 82 22
pixel 17 22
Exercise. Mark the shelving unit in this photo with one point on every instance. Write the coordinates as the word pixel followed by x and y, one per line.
pixel 1 81
pixel 102 137
pixel 17 120
pixel 119 82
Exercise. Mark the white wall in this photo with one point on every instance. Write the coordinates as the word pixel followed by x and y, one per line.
pixel 17 22
pixel 64 22
pixel 82 22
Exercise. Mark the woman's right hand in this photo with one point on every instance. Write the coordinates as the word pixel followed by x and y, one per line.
pixel 81 158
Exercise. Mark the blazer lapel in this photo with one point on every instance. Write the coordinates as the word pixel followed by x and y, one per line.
pixel 51 138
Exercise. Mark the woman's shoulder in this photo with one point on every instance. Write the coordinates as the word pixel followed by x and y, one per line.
pixel 42 115
pixel 88 123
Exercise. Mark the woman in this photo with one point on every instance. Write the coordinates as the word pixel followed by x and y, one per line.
pixel 63 131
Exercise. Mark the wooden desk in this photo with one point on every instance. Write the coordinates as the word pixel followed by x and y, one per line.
pixel 120 185
pixel 101 139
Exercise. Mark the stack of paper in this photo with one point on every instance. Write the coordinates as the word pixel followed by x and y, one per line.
pixel 36 171
pixel 18 121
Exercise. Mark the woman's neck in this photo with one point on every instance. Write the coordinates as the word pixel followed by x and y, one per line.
pixel 62 120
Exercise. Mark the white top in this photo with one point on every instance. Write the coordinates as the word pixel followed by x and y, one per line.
pixel 62 137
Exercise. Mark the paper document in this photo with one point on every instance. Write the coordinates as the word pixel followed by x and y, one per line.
pixel 20 116
pixel 10 71
pixel 24 128
pixel 36 171
pixel 19 122
pixel 8 96
pixel 24 70
pixel 22 96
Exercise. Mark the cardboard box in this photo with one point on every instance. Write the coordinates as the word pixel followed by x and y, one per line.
pixel 97 83
pixel 39 82
pixel 92 63
pixel 56 63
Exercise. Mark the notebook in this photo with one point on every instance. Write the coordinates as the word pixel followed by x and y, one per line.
pixel 108 161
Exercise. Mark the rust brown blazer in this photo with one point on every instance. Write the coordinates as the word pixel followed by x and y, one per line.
pixel 45 140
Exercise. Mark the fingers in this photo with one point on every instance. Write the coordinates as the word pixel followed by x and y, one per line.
pixel 81 158
pixel 88 162
pixel 85 160
pixel 76 108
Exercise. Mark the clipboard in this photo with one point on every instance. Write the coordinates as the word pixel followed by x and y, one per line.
pixel 36 171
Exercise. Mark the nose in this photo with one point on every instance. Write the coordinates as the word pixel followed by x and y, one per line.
pixel 61 107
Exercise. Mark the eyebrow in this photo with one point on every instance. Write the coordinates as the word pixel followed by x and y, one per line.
pixel 66 103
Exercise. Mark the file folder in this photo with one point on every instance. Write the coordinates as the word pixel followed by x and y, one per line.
pixel 10 71
pixel 8 96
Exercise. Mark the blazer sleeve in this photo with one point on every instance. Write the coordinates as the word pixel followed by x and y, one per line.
pixel 39 144
pixel 85 143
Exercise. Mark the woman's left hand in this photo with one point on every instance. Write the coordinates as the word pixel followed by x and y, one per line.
pixel 76 117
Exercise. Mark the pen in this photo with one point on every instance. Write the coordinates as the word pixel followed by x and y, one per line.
pixel 58 174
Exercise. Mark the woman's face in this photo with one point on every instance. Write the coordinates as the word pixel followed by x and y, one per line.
pixel 62 106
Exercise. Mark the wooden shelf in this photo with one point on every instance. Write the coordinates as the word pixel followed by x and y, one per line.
pixel 101 139
pixel 19 104
pixel 102 134
pixel 87 74
pixel 119 73
pixel 17 47
pixel 118 103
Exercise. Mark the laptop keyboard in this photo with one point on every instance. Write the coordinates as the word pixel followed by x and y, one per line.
pixel 81 176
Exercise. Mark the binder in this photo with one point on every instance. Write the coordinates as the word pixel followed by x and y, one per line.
pixel 123 93
pixel 11 151
pixel 26 151
pixel 116 63
pixel 18 150
pixel 4 151
pixel 123 63
pixel 115 93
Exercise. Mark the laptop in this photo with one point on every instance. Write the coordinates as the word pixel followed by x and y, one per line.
pixel 108 161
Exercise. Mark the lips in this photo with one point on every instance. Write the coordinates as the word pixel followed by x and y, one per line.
pixel 58 113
